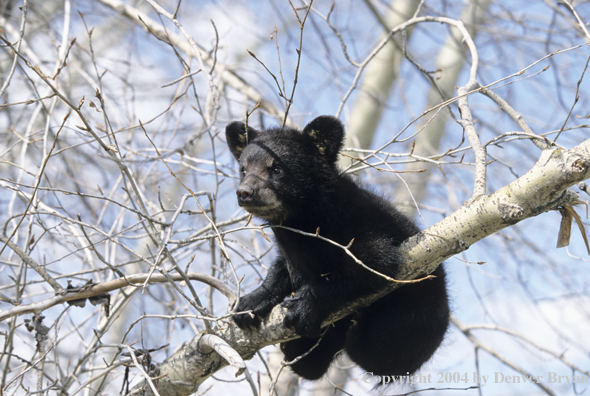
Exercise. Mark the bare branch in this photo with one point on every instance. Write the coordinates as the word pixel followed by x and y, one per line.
pixel 130 280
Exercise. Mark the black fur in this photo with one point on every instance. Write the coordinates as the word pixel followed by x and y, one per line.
pixel 290 178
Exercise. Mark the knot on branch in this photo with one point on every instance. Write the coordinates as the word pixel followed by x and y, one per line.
pixel 510 213
pixel 579 164
pixel 460 245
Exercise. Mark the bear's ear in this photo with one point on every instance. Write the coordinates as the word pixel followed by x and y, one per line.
pixel 327 133
pixel 237 139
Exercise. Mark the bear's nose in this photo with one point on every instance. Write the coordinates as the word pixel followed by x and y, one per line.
pixel 244 193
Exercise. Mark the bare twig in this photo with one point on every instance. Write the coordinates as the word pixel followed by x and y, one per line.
pixel 39 177
pixel 301 26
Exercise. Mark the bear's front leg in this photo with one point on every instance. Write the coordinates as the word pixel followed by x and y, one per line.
pixel 261 301
pixel 304 312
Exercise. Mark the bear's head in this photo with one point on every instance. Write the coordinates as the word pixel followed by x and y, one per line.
pixel 283 171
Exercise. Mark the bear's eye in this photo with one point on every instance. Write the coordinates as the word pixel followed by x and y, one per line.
pixel 242 172
pixel 277 170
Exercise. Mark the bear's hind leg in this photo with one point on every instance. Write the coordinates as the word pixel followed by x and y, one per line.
pixel 399 333
pixel 315 365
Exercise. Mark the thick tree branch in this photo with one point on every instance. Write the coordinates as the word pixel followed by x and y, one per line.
pixel 542 189
pixel 136 280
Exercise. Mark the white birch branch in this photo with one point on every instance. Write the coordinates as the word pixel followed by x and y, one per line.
pixel 136 280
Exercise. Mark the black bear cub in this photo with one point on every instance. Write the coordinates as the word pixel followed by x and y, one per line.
pixel 290 178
